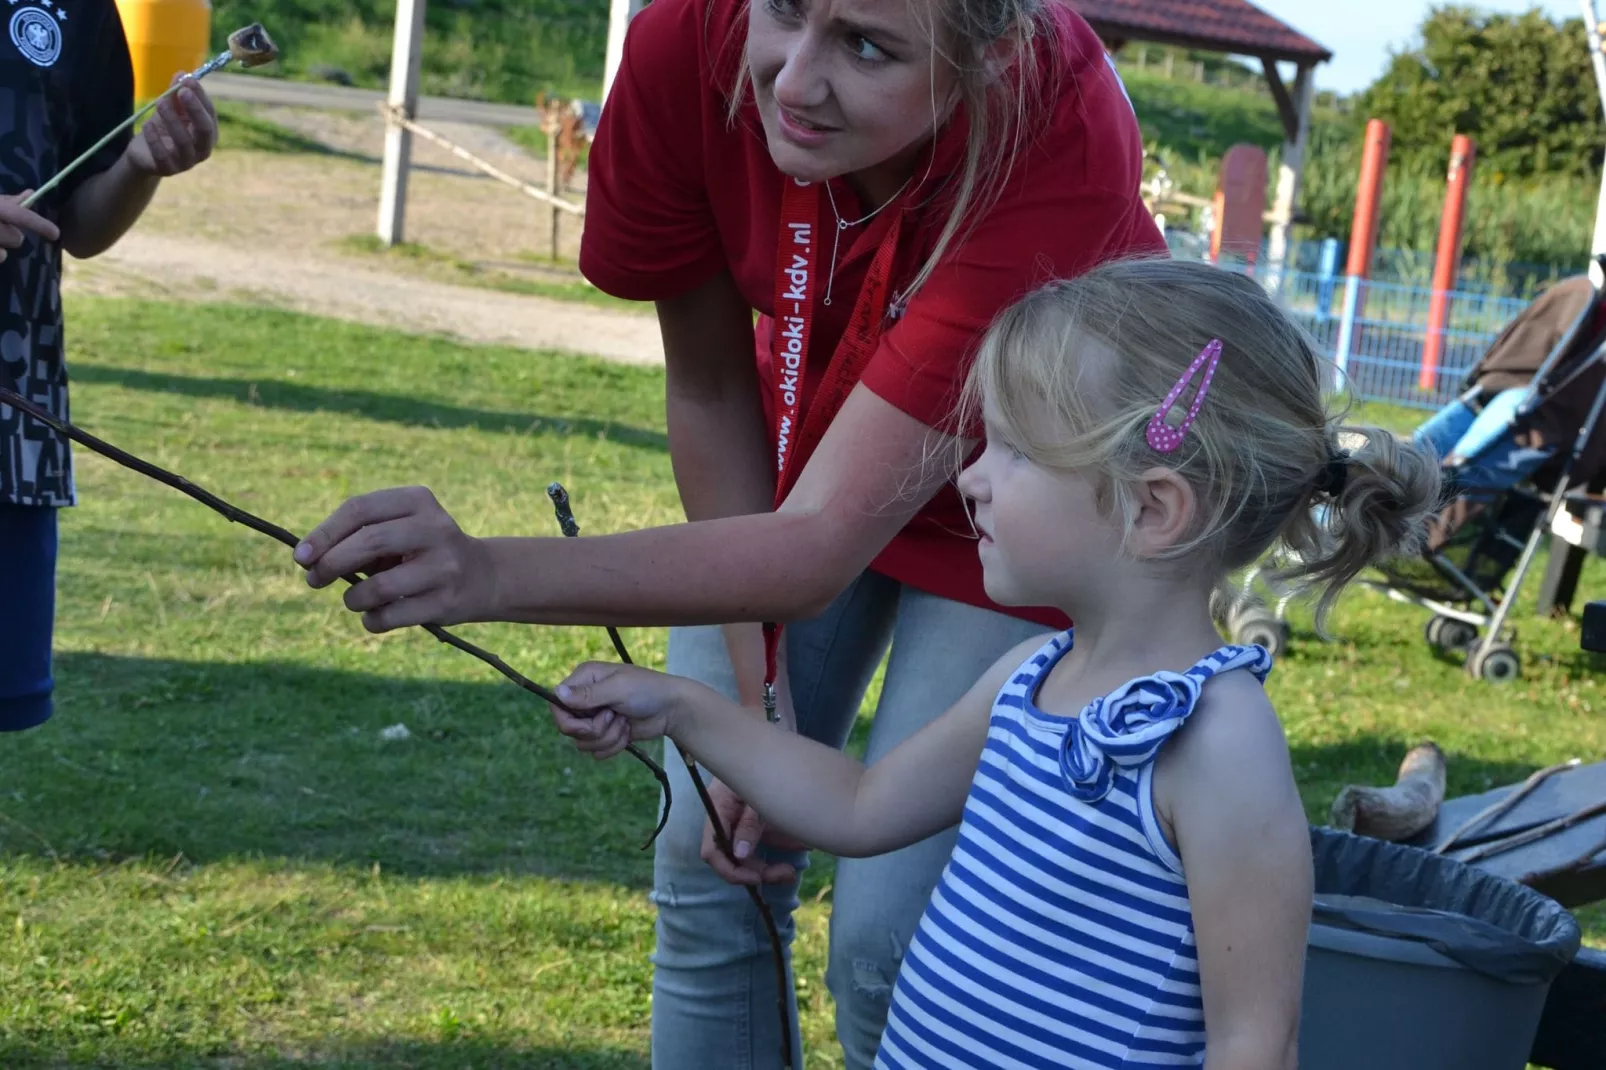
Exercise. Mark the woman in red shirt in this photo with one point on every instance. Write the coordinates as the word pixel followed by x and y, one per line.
pixel 876 180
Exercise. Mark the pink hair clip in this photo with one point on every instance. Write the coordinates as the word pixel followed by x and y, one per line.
pixel 1161 436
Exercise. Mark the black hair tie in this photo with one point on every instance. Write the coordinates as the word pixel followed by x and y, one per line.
pixel 1334 474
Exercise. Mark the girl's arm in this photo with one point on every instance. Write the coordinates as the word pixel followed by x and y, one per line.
pixel 1228 786
pixel 813 792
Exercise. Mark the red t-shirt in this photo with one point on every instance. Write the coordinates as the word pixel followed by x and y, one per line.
pixel 677 193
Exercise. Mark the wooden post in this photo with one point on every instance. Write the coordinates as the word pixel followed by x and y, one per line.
pixel 1291 170
pixel 404 64
pixel 620 12
pixel 1170 63
pixel 552 171
pixel 1449 259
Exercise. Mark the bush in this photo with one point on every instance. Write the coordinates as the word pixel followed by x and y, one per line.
pixel 500 50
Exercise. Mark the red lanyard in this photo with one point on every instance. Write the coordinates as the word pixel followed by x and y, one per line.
pixel 799 429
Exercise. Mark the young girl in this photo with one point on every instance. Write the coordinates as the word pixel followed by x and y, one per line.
pixel 1132 881
pixel 876 180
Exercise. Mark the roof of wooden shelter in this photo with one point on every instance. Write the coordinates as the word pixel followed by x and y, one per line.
pixel 1231 26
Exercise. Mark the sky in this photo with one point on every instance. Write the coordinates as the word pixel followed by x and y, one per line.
pixel 1360 33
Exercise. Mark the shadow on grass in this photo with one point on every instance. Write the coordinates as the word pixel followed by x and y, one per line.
pixel 240 128
pixel 155 758
pixel 390 408
pixel 151 758
pixel 374 1055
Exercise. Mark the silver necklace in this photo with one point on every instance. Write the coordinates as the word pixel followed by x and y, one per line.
pixel 841 225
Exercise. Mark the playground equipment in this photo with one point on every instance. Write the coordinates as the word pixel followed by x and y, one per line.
pixel 164 37
pixel 1229 224
pixel 1239 206
pixel 1448 258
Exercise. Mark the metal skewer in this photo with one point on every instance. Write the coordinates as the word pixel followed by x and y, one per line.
pixel 251 46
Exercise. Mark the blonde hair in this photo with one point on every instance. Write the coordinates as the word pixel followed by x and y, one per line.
pixel 1001 106
pixel 1256 453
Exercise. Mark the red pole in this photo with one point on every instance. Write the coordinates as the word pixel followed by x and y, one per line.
pixel 1368 199
pixel 1462 152
pixel 1362 244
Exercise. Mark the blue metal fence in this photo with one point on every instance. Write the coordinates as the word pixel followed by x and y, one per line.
pixel 1375 332
pixel 1377 348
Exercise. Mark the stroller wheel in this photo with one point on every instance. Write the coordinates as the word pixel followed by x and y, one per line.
pixel 1497 664
pixel 1449 634
pixel 1245 607
pixel 1260 627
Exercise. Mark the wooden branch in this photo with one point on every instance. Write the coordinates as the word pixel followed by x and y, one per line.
pixel 1399 812
pixel 275 532
pixel 1505 805
pixel 571 529
pixel 1549 828
pixel 1285 103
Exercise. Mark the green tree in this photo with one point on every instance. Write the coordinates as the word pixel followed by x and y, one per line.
pixel 1520 85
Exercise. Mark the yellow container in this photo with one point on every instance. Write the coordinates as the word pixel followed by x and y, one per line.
pixel 164 37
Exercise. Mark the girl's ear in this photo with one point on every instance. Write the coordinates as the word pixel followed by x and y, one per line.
pixel 1164 507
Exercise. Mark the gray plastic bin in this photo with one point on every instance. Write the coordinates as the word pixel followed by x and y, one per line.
pixel 1417 962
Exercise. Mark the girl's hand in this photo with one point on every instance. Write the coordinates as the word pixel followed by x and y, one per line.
pixel 423 568
pixel 615 705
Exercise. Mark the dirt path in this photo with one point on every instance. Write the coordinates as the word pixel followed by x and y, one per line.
pixel 177 268
pixel 275 227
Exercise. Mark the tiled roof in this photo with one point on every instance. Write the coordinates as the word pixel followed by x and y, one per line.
pixel 1216 25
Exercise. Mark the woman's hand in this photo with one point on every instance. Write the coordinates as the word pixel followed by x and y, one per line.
pixel 423 568
pixel 746 830
pixel 616 705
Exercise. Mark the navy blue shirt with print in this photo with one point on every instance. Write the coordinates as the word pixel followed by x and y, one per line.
pixel 65 80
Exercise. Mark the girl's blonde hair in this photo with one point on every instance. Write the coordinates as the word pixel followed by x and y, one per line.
pixel 1001 105
pixel 1074 372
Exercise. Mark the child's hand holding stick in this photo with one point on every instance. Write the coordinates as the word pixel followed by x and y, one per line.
pixel 250 45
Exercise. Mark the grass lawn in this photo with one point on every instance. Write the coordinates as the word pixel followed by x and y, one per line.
pixel 454 269
pixel 211 858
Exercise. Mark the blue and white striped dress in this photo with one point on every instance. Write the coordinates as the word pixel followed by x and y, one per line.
pixel 1060 935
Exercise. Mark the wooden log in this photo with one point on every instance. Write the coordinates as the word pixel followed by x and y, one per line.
pixel 1398 812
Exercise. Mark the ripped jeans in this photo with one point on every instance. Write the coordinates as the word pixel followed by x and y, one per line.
pixel 713 993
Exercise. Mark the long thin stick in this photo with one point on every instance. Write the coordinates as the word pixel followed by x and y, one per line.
pixel 1494 810
pixel 274 531
pixel 1549 828
pixel 1581 862
pixel 216 62
pixel 571 529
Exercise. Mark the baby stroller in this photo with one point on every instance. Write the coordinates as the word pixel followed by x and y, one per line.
pixel 1524 432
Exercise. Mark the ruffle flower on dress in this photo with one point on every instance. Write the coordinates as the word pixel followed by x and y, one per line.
pixel 1125 730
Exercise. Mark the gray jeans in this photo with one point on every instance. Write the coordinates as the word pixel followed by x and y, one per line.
pixel 713 993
